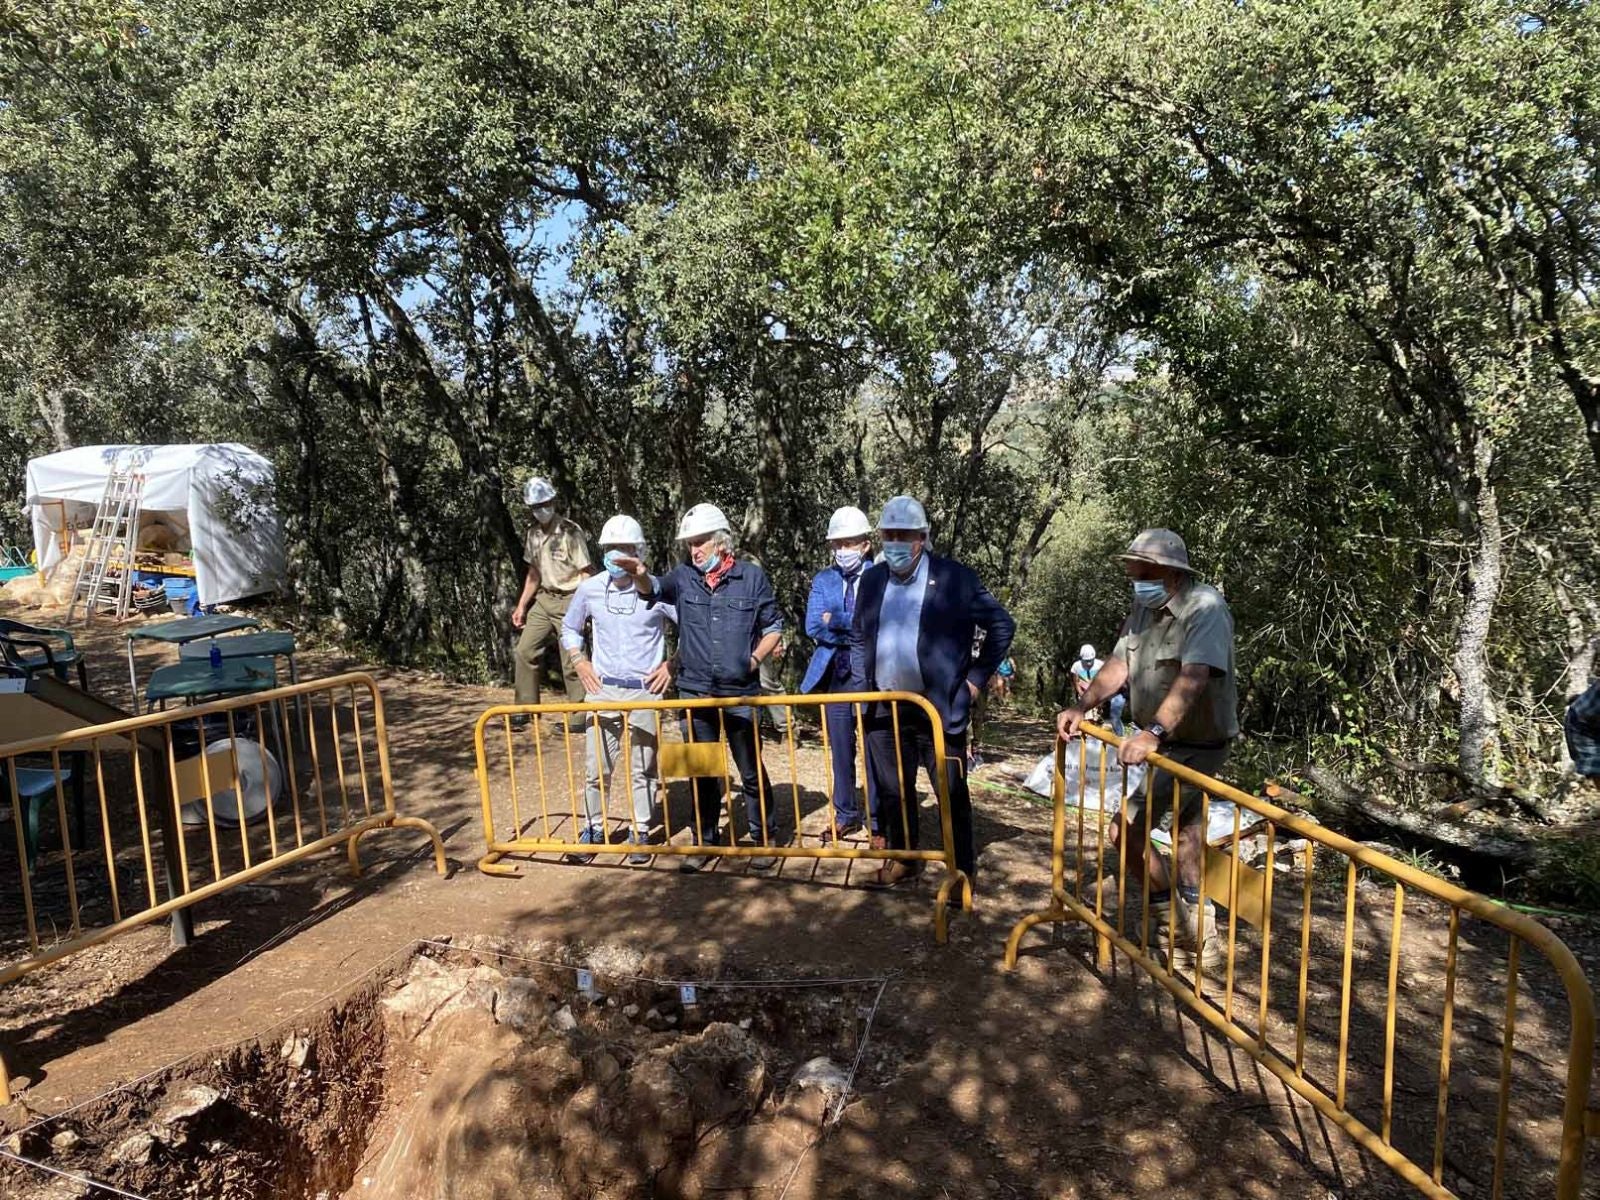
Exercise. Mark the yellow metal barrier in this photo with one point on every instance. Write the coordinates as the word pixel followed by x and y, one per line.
pixel 331 749
pixel 1319 1068
pixel 553 823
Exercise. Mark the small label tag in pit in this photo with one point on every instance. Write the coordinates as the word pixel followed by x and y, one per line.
pixel 688 994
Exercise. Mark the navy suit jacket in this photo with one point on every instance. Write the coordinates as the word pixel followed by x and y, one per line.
pixel 955 605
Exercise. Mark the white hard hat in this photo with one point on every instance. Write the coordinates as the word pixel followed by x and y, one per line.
pixel 904 512
pixel 1086 651
pixel 848 522
pixel 538 490
pixel 702 519
pixel 622 531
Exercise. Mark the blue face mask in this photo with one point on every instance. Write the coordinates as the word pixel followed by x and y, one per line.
pixel 899 555
pixel 610 561
pixel 1151 593
pixel 848 560
pixel 711 564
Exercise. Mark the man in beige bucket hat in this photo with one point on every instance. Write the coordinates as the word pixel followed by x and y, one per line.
pixel 1176 656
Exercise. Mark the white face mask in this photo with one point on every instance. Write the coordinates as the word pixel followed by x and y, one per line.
pixel 543 512
pixel 848 560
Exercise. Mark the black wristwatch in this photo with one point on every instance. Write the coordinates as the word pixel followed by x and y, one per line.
pixel 1157 728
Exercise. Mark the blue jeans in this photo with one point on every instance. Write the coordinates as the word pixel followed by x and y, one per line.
pixel 1118 703
pixel 708 725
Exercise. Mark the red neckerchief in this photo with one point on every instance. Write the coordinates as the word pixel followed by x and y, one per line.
pixel 720 572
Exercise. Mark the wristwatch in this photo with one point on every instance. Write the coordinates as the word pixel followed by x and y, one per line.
pixel 1157 728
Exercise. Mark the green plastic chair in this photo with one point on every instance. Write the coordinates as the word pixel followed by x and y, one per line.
pixel 37 788
pixel 28 649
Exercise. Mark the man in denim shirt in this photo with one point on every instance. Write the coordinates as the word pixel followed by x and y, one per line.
pixel 728 624
pixel 1583 732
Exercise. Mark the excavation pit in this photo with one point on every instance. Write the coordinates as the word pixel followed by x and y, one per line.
pixel 481 1070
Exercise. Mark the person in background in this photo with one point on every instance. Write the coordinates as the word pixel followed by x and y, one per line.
pixel 627 661
pixel 1118 706
pixel 1084 670
pixel 915 621
pixel 1004 678
pixel 1176 656
pixel 775 715
pixel 830 611
pixel 728 625
pixel 1582 726
pixel 558 561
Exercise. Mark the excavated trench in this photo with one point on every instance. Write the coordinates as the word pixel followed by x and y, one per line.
pixel 486 1070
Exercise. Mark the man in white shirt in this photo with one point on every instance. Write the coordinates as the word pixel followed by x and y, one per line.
pixel 628 662
pixel 1085 669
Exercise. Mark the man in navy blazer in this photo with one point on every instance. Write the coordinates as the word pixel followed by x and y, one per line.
pixel 913 632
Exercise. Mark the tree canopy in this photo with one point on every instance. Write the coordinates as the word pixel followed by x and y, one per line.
pixel 1310 282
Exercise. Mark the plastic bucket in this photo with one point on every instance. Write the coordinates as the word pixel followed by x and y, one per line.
pixel 180 595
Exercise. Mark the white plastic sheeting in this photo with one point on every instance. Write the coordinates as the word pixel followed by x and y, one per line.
pixel 1091 798
pixel 221 493
pixel 1219 823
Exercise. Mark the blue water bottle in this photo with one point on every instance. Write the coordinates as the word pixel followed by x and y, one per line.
pixel 216 655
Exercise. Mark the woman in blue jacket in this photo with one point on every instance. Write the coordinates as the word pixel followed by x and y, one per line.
pixel 829 612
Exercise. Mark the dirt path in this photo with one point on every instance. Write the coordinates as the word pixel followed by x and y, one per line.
pixel 1043 1083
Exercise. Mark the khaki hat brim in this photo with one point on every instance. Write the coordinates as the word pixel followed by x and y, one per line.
pixel 1155 562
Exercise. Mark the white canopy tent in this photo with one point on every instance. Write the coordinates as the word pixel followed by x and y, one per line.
pixel 220 495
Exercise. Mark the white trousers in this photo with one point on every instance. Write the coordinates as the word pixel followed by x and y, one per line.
pixel 605 747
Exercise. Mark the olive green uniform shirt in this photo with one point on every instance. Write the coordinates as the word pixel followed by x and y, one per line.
pixel 560 554
pixel 1194 626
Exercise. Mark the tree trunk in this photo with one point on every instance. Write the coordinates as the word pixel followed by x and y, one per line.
pixel 1036 537
pixel 1581 616
pixel 1480 717
pixel 1341 803
pixel 52 406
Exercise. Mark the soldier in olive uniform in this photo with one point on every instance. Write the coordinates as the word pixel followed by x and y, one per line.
pixel 558 561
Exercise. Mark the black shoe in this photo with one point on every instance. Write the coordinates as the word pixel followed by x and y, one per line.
pixel 520 720
pixel 689 864
pixel 827 838
pixel 765 862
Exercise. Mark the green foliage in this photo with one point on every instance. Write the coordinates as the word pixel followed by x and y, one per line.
pixel 1569 876
pixel 1309 282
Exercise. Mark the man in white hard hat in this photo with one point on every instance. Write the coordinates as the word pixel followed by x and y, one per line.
pixel 728 623
pixel 914 628
pixel 830 611
pixel 1085 669
pixel 1176 656
pixel 558 561
pixel 627 662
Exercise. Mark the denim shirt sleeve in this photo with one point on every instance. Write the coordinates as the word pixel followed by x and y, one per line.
pixel 666 586
pixel 769 617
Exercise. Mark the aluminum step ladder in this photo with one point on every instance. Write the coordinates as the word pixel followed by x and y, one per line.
pixel 105 576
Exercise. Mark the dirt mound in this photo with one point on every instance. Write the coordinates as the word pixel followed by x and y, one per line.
pixel 519 1102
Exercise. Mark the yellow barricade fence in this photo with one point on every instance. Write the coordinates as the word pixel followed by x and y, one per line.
pixel 534 793
pixel 155 827
pixel 1340 930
